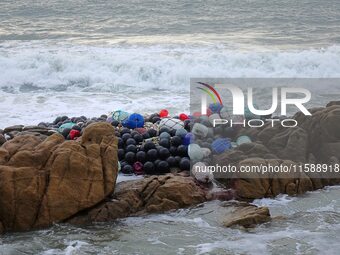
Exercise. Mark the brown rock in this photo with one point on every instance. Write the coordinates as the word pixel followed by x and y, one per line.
pixel 333 103
pixel 149 195
pixel 251 186
pixel 42 131
pixel 13 128
pixel 25 128
pixel 2 139
pixel 48 181
pixel 315 140
pixel 245 215
pixel 41 136
pixel 322 128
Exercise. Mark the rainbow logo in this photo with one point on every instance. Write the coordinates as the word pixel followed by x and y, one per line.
pixel 208 89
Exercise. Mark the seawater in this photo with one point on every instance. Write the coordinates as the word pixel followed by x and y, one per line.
pixel 83 57
pixel 302 225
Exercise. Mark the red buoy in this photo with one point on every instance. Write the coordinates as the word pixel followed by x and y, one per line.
pixel 183 117
pixel 74 134
pixel 163 113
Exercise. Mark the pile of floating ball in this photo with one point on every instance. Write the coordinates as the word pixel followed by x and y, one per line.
pixel 160 143
pixel 149 150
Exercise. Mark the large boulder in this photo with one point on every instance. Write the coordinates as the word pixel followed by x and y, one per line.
pixel 149 195
pixel 47 181
pixel 245 215
pixel 323 132
pixel 316 140
pixel 251 186
pixel 285 143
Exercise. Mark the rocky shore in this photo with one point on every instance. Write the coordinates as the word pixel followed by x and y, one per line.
pixel 48 175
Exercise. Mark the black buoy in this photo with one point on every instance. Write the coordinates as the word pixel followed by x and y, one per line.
pixel 152 155
pixel 178 159
pixel 149 145
pixel 163 153
pixel 115 123
pixel 130 141
pixel 63 118
pixel 127 169
pixel 57 120
pixel 182 150
pixel 130 157
pixel 149 168
pixel 126 136
pixel 152 116
pixel 152 132
pixel 173 132
pixel 176 141
pixel 163 167
pixel 123 163
pixel 120 142
pixel 156 162
pixel 146 135
pixel 155 119
pixel 125 131
pixel 76 127
pixel 164 135
pixel 141 156
pixel 171 161
pixel 165 143
pixel 131 148
pixel 138 138
pixel 184 164
pixel 65 132
pixel 187 125
pixel 133 133
pixel 121 154
pixel 164 129
pixel 173 150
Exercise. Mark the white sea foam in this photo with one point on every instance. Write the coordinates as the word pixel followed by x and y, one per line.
pixel 169 219
pixel 40 81
pixel 80 68
pixel 282 199
pixel 72 248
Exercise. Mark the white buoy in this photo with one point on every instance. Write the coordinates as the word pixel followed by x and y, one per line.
pixel 171 123
pixel 243 139
pixel 201 173
pixel 200 130
pixel 195 152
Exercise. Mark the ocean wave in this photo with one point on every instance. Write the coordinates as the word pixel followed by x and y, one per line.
pixel 103 69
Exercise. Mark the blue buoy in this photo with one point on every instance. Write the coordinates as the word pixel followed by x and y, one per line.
pixel 220 145
pixel 135 120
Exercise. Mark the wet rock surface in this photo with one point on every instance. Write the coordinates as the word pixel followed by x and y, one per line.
pixel 153 194
pixel 315 140
pixel 44 181
pixel 245 215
